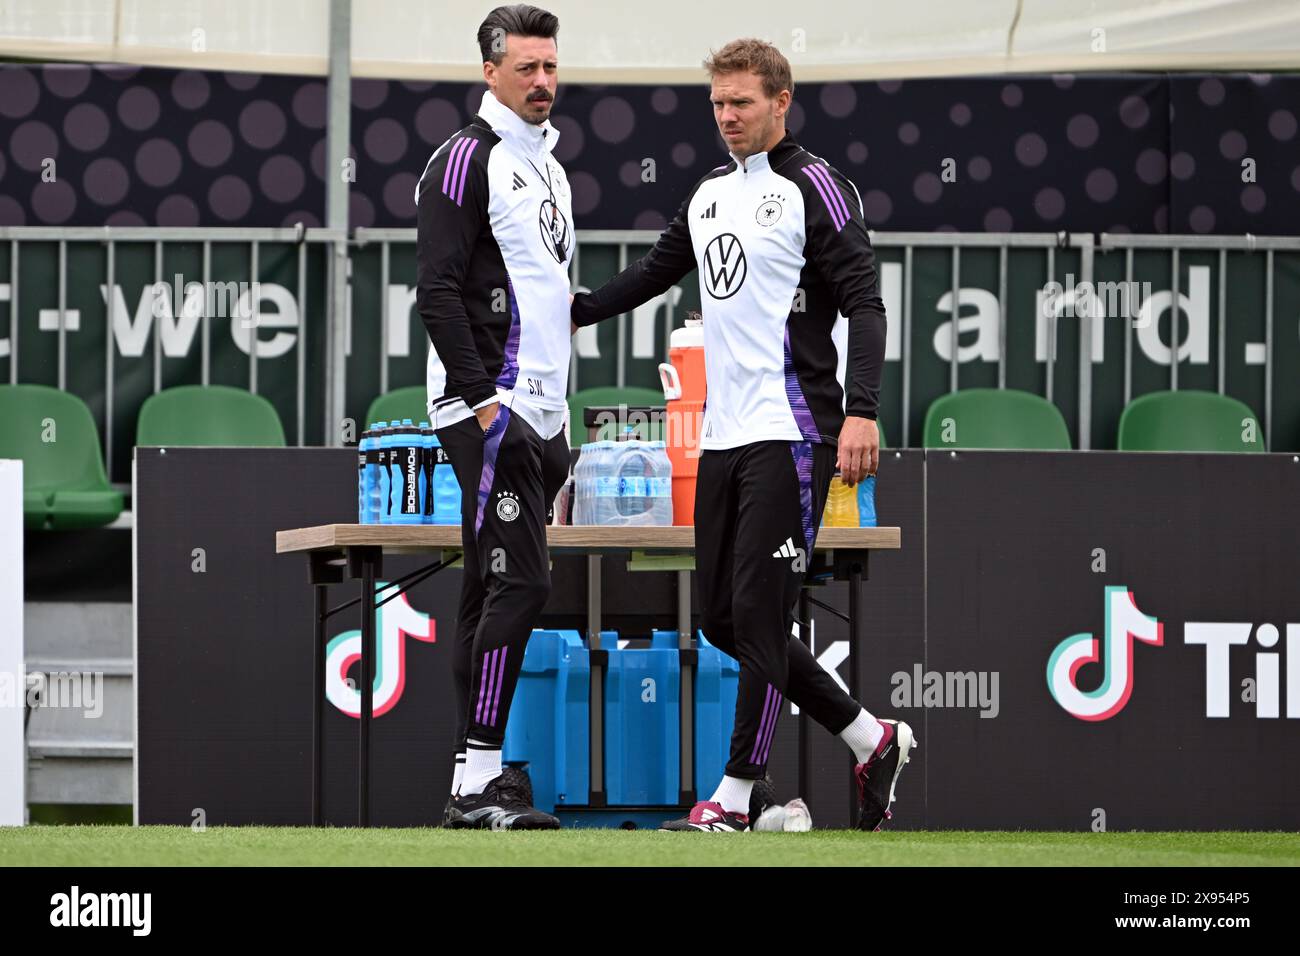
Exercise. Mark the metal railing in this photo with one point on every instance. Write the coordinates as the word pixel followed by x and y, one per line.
pixel 111 237
pixel 899 249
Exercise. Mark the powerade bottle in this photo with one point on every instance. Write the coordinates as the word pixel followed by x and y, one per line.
pixel 363 493
pixel 428 444
pixel 446 489
pixel 390 474
pixel 407 475
pixel 372 474
pixel 382 475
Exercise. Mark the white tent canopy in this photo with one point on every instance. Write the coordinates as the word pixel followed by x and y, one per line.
pixel 665 41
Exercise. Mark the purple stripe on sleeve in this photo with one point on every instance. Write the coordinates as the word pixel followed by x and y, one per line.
pixel 464 172
pixel 456 147
pixel 830 205
pixel 762 726
pixel 836 194
pixel 501 679
pixel 491 445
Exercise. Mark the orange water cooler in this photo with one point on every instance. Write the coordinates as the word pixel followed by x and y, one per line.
pixel 682 377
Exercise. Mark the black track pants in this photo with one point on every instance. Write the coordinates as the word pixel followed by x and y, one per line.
pixel 757 508
pixel 508 477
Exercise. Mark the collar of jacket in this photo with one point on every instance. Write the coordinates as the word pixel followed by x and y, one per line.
pixel 503 121
pixel 772 159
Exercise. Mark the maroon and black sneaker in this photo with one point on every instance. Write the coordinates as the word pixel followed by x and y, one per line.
pixel 710 817
pixel 876 778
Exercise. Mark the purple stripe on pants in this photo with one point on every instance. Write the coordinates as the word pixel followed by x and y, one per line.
pixel 482 684
pixel 768 714
pixel 501 679
pixel 491 445
pixel 771 730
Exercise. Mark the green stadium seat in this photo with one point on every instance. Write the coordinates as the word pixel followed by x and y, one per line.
pixel 64 485
pixel 412 403
pixel 1189 420
pixel 996 418
pixel 610 395
pixel 208 415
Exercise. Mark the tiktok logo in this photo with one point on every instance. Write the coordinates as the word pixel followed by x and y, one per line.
pixel 1124 624
pixel 394 622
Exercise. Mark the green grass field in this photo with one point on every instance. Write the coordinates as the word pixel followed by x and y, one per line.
pixel 289 846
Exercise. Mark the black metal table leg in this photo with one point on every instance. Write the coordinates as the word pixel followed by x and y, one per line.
pixel 317 714
pixel 855 645
pixel 805 758
pixel 365 563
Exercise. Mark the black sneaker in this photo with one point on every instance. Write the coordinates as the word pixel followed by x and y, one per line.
pixel 501 806
pixel 710 817
pixel 876 778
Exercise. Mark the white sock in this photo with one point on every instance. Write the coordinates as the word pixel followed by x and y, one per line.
pixel 458 775
pixel 863 735
pixel 733 795
pixel 481 768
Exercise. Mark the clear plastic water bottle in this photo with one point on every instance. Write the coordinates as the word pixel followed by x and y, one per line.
pixel 582 484
pixel 605 486
pixel 635 469
pixel 661 485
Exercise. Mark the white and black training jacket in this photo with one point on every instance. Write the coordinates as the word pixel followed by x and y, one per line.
pixel 782 250
pixel 492 257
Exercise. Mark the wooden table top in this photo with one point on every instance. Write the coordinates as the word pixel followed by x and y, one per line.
pixel 415 538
